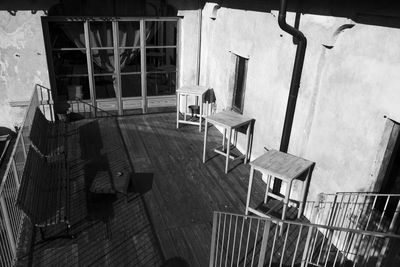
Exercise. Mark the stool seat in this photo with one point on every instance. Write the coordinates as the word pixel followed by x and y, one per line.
pixel 284 167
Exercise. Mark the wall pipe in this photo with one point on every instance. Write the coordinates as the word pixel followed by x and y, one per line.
pixel 296 75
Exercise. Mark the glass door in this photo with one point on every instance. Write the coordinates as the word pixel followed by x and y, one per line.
pixel 161 59
pixel 103 62
pixel 116 64
pixel 130 62
pixel 69 71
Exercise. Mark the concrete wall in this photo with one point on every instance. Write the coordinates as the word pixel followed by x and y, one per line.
pixel 22 62
pixel 345 91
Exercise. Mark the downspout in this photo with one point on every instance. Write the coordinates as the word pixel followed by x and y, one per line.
pixel 200 21
pixel 296 75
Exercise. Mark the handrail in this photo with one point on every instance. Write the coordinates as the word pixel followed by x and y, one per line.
pixel 247 240
pixel 19 134
pixel 10 215
pixel 314 225
pixel 92 107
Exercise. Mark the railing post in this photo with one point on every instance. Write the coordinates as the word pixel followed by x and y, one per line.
pixel 213 239
pixel 14 167
pixel 8 225
pixel 307 251
pixel 23 143
pixel 264 242
pixel 391 230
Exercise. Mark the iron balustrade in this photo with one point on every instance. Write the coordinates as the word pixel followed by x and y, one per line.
pixel 240 240
pixel 11 218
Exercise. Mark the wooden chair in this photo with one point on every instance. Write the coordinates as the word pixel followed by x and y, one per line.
pixel 47 137
pixel 44 191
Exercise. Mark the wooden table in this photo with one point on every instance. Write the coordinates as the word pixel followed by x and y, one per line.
pixel 230 121
pixel 198 92
pixel 112 174
pixel 285 167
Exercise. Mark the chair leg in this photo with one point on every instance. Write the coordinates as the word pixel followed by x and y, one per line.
pixel 42 234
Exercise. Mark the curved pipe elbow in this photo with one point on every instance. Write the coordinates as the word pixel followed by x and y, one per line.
pixel 289 29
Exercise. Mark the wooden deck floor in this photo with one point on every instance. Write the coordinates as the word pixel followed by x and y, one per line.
pixel 167 216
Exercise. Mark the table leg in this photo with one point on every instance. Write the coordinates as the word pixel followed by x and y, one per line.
pixel 228 149
pixel 177 109
pixel 200 112
pixel 249 190
pixel 205 140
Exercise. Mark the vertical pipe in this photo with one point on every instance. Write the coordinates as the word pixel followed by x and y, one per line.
pixel 200 21
pixel 143 64
pixel 296 75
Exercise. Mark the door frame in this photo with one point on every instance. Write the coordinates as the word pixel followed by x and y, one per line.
pixel 143 101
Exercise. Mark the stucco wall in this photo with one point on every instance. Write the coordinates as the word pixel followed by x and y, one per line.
pixel 22 62
pixel 345 91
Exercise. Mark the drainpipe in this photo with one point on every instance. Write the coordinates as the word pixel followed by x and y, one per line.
pixel 296 75
pixel 200 21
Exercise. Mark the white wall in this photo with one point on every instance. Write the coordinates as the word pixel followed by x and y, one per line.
pixel 344 94
pixel 22 62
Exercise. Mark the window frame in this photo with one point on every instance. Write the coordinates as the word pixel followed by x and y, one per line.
pixel 237 80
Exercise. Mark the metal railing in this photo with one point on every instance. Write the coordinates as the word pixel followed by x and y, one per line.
pixel 83 108
pixel 87 110
pixel 356 210
pixel 240 240
pixel 11 217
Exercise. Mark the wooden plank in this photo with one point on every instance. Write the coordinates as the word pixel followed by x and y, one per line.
pixel 174 210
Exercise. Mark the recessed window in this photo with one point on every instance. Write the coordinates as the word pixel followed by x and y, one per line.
pixel 240 84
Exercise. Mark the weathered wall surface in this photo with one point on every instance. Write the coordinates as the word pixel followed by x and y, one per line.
pixel 345 91
pixel 22 62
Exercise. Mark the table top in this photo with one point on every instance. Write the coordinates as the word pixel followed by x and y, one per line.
pixel 228 119
pixel 193 89
pixel 282 165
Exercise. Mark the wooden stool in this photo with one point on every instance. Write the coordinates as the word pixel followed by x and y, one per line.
pixel 229 121
pixel 198 92
pixel 286 168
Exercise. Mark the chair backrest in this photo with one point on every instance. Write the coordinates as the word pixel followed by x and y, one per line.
pixel 32 180
pixel 40 127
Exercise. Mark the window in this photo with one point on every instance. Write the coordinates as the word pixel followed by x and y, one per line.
pixel 120 61
pixel 240 84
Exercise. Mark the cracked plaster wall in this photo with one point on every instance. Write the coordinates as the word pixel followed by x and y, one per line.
pixel 22 62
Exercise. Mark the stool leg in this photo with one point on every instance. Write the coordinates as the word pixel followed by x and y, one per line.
pixel 223 140
pixel 286 200
pixel 200 112
pixel 186 107
pixel 228 149
pixel 267 189
pixel 303 194
pixel 177 109
pixel 205 140
pixel 246 156
pixel 249 190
